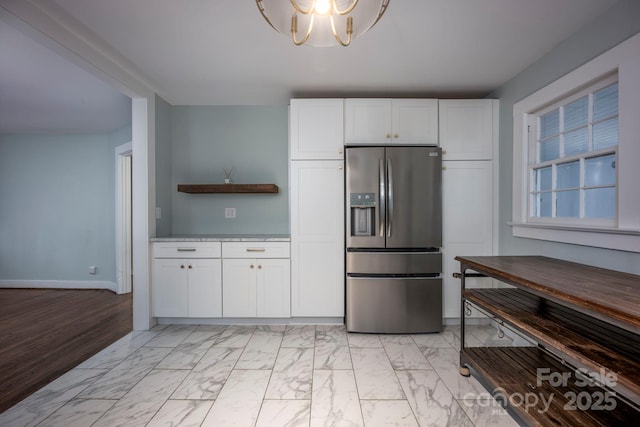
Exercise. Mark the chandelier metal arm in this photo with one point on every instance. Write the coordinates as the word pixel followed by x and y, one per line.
pixel 264 15
pixel 347 10
pixel 295 5
pixel 294 30
pixel 349 31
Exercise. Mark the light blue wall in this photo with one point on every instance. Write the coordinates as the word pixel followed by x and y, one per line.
pixel 615 26
pixel 57 206
pixel 254 141
pixel 163 166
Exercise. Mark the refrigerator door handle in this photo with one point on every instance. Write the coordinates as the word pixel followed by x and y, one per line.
pixel 383 197
pixel 390 192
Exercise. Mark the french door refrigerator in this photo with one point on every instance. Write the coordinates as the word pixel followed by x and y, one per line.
pixel 393 239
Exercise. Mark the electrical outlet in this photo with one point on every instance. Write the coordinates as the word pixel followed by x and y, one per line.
pixel 93 269
pixel 229 212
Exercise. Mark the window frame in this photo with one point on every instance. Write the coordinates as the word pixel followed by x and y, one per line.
pixel 534 152
pixel 622 61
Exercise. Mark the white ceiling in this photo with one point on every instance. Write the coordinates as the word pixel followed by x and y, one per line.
pixel 222 52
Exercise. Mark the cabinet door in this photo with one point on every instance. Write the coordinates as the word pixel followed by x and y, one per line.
pixel 317 238
pixel 239 287
pixel 367 121
pixel 205 287
pixel 467 128
pixel 273 288
pixel 414 121
pixel 316 128
pixel 169 292
pixel 467 193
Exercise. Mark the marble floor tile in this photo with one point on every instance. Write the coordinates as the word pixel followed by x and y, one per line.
pixel 78 413
pixel 238 404
pixel 374 374
pixel 446 362
pixel 299 336
pixel 387 413
pixel 118 351
pixel 181 413
pixel 452 335
pixel 171 336
pixel 117 382
pixel 261 350
pixel 50 398
pixel 284 413
pixel 292 374
pixel 364 340
pixel 487 412
pixel 331 348
pixel 271 328
pixel 268 376
pixel 185 356
pixel 431 340
pixel 331 335
pixel 403 352
pixel 140 404
pixel 207 378
pixel 205 335
pixel 431 401
pixel 235 337
pixel 331 356
pixel 335 400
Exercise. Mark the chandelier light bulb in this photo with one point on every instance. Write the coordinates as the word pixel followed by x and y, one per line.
pixel 322 7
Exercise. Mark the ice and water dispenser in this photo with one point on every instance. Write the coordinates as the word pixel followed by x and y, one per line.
pixel 363 214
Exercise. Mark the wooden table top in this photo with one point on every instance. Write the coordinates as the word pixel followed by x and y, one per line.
pixel 609 295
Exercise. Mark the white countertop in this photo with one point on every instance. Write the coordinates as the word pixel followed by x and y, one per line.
pixel 223 238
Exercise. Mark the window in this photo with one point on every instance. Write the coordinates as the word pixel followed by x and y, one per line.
pixel 573 149
pixel 576 155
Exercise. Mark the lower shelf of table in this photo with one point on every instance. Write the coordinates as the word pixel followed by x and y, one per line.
pixel 541 391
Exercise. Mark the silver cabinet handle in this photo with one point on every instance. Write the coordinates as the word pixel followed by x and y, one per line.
pixel 186 249
pixel 383 197
pixel 390 177
pixel 256 249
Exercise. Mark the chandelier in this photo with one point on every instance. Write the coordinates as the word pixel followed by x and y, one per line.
pixel 322 23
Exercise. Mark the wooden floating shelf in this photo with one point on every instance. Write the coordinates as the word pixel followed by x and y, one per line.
pixel 227 188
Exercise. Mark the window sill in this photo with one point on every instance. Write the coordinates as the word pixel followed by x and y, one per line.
pixel 607 238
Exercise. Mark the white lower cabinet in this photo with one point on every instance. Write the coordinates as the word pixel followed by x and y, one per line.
pixel 184 287
pixel 256 282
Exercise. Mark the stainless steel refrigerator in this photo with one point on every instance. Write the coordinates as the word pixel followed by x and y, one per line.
pixel 393 239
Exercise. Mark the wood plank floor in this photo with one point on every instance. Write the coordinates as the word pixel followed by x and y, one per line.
pixel 46 332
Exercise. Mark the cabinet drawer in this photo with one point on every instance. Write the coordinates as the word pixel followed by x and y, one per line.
pixel 255 249
pixel 187 250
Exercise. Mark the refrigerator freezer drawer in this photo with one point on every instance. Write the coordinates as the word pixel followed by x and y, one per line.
pixel 372 263
pixel 394 305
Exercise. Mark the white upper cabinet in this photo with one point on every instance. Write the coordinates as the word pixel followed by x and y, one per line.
pixel 316 129
pixel 468 128
pixel 391 121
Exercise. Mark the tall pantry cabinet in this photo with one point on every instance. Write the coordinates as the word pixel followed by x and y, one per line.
pixel 317 207
pixel 469 141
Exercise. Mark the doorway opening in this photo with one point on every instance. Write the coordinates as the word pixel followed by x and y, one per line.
pixel 124 242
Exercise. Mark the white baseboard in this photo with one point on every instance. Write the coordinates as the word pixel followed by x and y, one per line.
pixel 250 321
pixel 58 284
